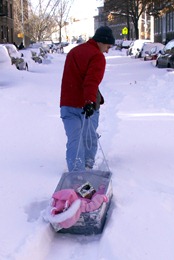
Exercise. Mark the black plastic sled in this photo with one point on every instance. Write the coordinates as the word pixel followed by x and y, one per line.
pixel 89 222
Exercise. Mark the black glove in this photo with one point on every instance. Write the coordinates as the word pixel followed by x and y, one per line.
pixel 88 109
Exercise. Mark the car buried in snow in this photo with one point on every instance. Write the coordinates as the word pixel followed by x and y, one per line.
pixel 5 60
pixel 165 58
pixel 152 50
pixel 16 57
pixel 136 48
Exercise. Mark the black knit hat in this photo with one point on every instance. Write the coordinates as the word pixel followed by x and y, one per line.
pixel 104 34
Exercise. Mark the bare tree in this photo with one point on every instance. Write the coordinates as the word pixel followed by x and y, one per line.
pixel 48 18
pixel 133 9
pixel 160 7
pixel 61 15
pixel 41 22
pixel 20 11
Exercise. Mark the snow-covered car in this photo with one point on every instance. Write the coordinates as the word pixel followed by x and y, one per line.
pixel 126 44
pixel 4 57
pixel 152 50
pixel 166 57
pixel 59 47
pixel 17 58
pixel 44 45
pixel 118 44
pixel 136 48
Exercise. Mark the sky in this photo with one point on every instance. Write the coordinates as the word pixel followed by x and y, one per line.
pixel 79 8
pixel 83 9
pixel 136 128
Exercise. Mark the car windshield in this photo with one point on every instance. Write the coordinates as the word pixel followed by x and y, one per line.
pixel 13 52
pixel 4 57
pixel 153 50
pixel 12 49
pixel 169 46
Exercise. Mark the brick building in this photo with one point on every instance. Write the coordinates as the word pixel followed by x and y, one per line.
pixel 6 21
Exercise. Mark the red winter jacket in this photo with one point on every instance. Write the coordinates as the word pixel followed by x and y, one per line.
pixel 83 71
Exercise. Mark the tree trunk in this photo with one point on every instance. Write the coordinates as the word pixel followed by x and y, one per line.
pixel 136 30
pixel 128 27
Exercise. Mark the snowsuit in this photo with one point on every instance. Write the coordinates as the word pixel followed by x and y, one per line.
pixel 67 206
pixel 83 71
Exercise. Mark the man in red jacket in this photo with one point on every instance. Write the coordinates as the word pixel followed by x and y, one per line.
pixel 80 98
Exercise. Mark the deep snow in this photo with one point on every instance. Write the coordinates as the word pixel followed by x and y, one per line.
pixel 136 128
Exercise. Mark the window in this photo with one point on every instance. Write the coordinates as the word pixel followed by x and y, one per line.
pixel 168 22
pixel 11 11
pixel 2 32
pixel 171 21
pixel 158 26
pixel 169 46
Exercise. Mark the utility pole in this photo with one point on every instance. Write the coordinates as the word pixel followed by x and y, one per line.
pixel 22 21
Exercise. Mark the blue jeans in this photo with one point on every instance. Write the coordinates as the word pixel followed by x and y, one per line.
pixel 81 145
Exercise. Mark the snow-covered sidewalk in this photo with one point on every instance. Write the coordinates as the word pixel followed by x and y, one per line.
pixel 136 127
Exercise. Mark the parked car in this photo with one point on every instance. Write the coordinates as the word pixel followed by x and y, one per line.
pixel 152 50
pixel 126 44
pixel 136 47
pixel 59 46
pixel 118 44
pixel 4 57
pixel 166 57
pixel 38 57
pixel 17 58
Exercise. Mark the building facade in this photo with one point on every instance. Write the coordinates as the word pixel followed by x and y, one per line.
pixel 116 22
pixel 164 28
pixel 6 21
pixel 158 29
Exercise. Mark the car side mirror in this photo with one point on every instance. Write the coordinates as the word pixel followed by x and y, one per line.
pixel 162 52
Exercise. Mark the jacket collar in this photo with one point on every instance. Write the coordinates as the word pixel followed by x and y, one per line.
pixel 93 42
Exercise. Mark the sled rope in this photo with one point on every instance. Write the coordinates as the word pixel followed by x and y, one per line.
pixel 89 145
pixel 78 148
pixel 100 146
pixel 88 132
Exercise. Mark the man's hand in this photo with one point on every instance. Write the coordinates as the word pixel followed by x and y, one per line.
pixel 88 109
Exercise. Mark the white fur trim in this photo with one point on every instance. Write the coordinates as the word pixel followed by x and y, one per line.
pixel 69 213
